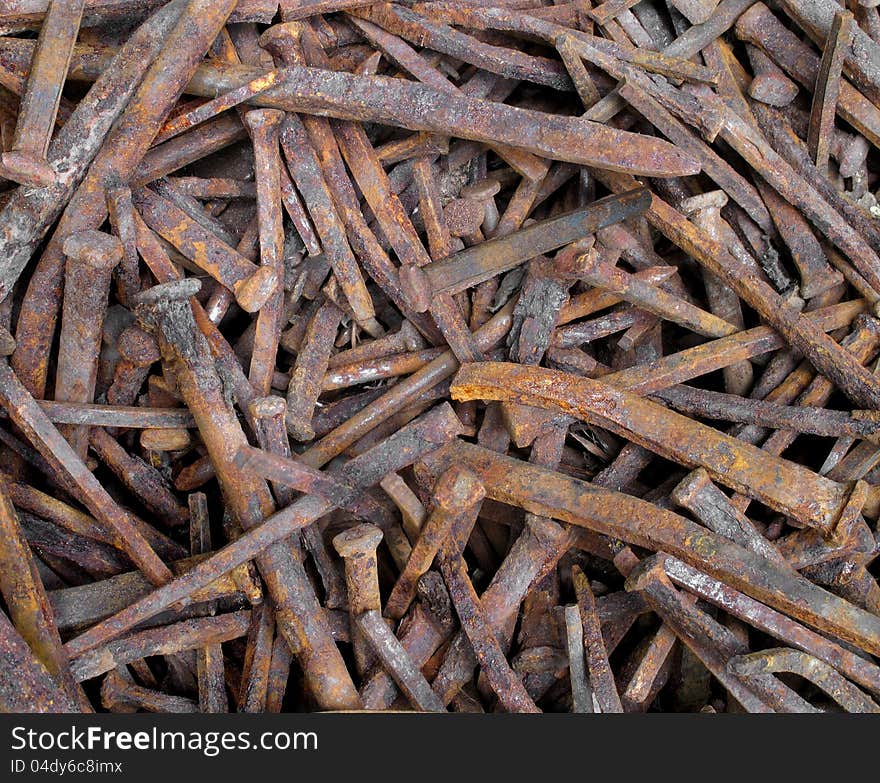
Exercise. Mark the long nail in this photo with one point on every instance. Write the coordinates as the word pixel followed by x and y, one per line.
pixel 357 548
pixel 142 479
pixel 91 259
pixel 488 259
pixel 264 126
pixel 27 160
pixel 209 658
pixel 427 434
pixel 452 504
pixel 252 285
pixel 165 640
pixel 306 172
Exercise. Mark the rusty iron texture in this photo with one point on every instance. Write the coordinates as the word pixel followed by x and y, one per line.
pixel 26 160
pixel 812 499
pixel 394 356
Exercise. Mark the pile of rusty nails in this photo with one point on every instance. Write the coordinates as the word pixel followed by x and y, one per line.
pixel 439 355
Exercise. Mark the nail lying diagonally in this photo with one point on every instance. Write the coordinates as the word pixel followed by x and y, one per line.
pixel 653 299
pixel 638 522
pixel 304 479
pixel 143 480
pixel 84 605
pixel 253 285
pixel 29 212
pixel 419 107
pixel 425 434
pixel 710 505
pixel 26 160
pixel 413 26
pixel 29 417
pixel 220 104
pixel 117 160
pixel 779 626
pixel 27 686
pixel 783 659
pixel 487 259
pixel 664 372
pixel 187 635
pixel 780 484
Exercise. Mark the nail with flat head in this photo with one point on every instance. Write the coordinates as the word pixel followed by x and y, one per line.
pixel 91 258
pixel 455 496
pixel 485 260
pixel 138 351
pixel 464 217
pixel 769 85
pixel 357 547
pixel 484 192
pixel 264 126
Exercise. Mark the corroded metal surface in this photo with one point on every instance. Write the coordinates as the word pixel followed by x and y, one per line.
pixel 383 356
